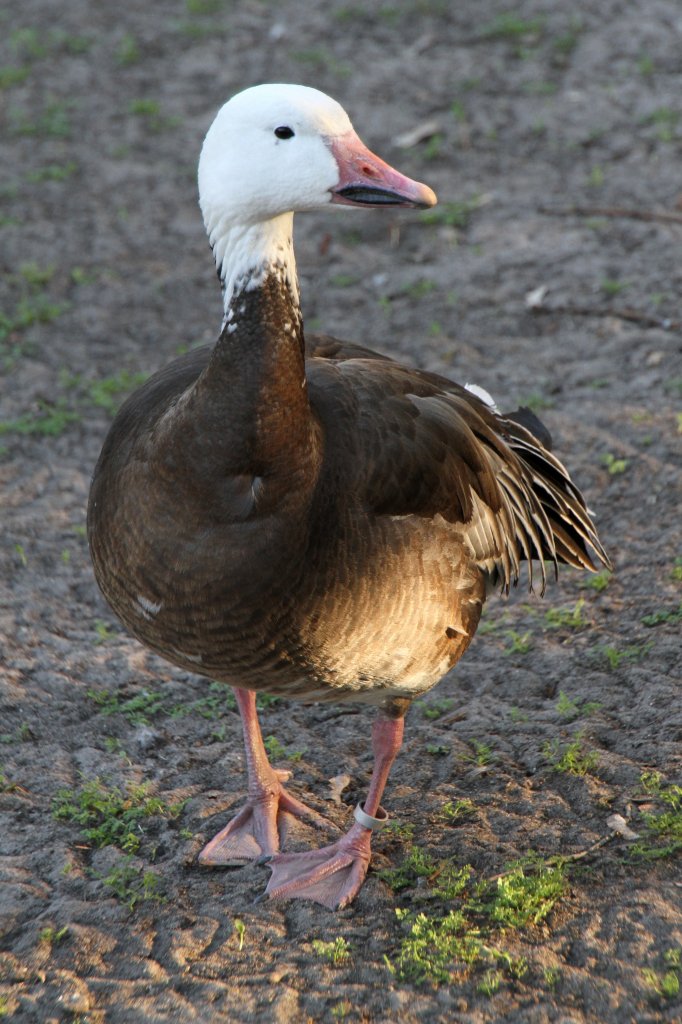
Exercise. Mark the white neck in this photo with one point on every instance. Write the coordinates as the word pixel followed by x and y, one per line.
pixel 245 254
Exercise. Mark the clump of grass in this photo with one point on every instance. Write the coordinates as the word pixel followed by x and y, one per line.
pixel 519 643
pixel 336 952
pixel 52 936
pixel 598 581
pixel 439 945
pixel 572 758
pixel 416 864
pixel 458 810
pixel 567 618
pixel 672 616
pixel 108 392
pixel 614 465
pixel 34 305
pixel 110 816
pixel 53 122
pixel 665 983
pixel 127 51
pixel 436 708
pixel 278 752
pixel 53 172
pixel 664 825
pixel 132 885
pixel 150 111
pixel 615 656
pixel 138 709
pixel 512 26
pixel 571 709
pixel 220 699
pixel 49 420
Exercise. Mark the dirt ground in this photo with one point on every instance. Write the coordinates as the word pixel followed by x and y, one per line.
pixel 551 275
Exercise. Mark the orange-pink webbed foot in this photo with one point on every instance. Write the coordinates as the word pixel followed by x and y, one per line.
pixel 333 875
pixel 260 827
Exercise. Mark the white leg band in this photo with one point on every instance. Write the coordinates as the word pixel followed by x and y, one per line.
pixel 367 821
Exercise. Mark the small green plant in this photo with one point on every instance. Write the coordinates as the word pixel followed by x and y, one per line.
pixel 596 176
pixel 612 287
pixel 53 122
pixel 673 616
pixel 51 420
pixel 13 75
pixel 127 51
pixel 567 618
pixel 614 465
pixel 437 749
pixel 615 656
pixel 536 401
pixel 416 864
pixel 433 147
pixel 571 709
pixel 52 172
pixel 598 581
pixel 336 952
pixel 646 65
pixel 204 7
pixel 403 831
pixel 52 936
pixel 572 758
pixel 482 753
pixel 676 571
pixel 665 120
pixel 436 708
pixel 138 709
pixel 111 816
pixel 108 392
pixel 280 753
pixel 666 983
pixel 220 698
pixel 133 885
pixel 150 110
pixel 436 946
pixel 663 827
pixel 419 289
pixel 240 932
pixel 519 643
pixel 6 785
pixel 103 632
pixel 512 26
pixel 525 894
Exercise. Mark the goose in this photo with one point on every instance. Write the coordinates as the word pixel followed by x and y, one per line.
pixel 305 517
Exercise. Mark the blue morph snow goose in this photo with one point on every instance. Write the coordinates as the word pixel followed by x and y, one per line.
pixel 304 517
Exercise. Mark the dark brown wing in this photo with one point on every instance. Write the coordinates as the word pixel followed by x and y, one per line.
pixel 423 445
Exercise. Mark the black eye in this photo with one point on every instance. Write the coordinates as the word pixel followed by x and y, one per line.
pixel 284 132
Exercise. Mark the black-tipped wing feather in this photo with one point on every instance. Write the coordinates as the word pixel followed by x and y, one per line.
pixel 429 447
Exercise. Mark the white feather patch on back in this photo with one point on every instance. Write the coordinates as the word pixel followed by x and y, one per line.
pixel 484 395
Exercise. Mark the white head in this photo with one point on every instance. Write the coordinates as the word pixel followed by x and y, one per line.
pixel 276 149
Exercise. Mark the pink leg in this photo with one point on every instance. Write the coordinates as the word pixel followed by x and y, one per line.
pixel 260 826
pixel 334 875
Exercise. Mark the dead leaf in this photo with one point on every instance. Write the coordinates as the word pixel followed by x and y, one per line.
pixel 617 823
pixel 536 297
pixel 337 786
